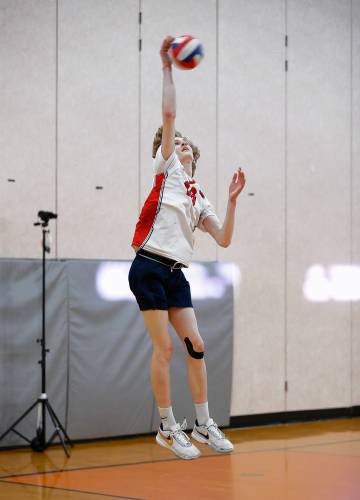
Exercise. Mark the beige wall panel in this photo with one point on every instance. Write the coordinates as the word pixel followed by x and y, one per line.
pixel 98 127
pixel 251 135
pixel 196 93
pixel 27 122
pixel 356 197
pixel 318 193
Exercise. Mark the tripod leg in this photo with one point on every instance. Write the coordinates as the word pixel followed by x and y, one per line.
pixel 58 423
pixel 58 428
pixel 57 433
pixel 60 436
pixel 11 428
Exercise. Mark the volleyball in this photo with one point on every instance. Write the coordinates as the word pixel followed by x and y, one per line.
pixel 186 52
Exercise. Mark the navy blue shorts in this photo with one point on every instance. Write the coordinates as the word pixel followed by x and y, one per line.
pixel 156 286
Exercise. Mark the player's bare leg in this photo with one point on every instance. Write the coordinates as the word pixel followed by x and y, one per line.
pixel 170 434
pixel 205 430
pixel 157 326
pixel 185 324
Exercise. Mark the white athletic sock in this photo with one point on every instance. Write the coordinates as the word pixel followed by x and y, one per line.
pixel 202 413
pixel 167 417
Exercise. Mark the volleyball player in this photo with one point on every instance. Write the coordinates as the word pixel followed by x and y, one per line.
pixel 163 241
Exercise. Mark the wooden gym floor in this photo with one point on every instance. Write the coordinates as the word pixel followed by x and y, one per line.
pixel 308 461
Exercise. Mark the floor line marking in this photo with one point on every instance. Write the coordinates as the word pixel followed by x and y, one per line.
pixel 203 457
pixel 71 490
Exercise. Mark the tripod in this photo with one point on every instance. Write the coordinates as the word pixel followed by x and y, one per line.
pixel 39 442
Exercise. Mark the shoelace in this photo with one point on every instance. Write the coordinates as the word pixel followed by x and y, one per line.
pixel 180 435
pixel 215 431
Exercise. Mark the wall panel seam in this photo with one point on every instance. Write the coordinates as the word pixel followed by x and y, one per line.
pixel 56 119
pixel 217 120
pixel 351 196
pixel 285 208
pixel 139 109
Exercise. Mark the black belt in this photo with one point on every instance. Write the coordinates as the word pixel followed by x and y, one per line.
pixel 173 264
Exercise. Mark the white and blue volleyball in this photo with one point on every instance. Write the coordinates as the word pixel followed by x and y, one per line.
pixel 186 52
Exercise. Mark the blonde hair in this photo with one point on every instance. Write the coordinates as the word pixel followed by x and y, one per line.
pixel 157 143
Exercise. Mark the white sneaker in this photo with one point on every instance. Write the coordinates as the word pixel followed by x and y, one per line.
pixel 177 441
pixel 211 435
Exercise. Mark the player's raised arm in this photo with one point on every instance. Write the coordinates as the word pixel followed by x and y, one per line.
pixel 168 101
pixel 222 234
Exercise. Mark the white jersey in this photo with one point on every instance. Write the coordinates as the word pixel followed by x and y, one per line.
pixel 175 207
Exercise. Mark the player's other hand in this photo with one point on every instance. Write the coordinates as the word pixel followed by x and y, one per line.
pixel 164 51
pixel 237 185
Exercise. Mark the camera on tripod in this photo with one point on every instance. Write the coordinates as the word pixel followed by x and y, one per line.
pixel 45 217
pixel 40 441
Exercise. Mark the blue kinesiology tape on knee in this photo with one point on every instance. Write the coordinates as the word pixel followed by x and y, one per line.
pixel 190 348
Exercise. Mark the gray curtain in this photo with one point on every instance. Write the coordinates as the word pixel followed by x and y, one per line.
pixel 98 365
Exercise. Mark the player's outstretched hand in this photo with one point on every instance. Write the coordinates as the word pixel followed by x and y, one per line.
pixel 164 51
pixel 237 184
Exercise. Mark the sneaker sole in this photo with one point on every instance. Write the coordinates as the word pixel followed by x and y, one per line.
pixel 184 457
pixel 202 439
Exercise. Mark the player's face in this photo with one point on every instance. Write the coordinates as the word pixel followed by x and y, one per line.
pixel 183 149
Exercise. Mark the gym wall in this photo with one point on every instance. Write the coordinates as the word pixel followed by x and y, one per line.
pixel 80 103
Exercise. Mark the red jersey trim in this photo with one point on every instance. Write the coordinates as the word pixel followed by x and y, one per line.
pixel 151 208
